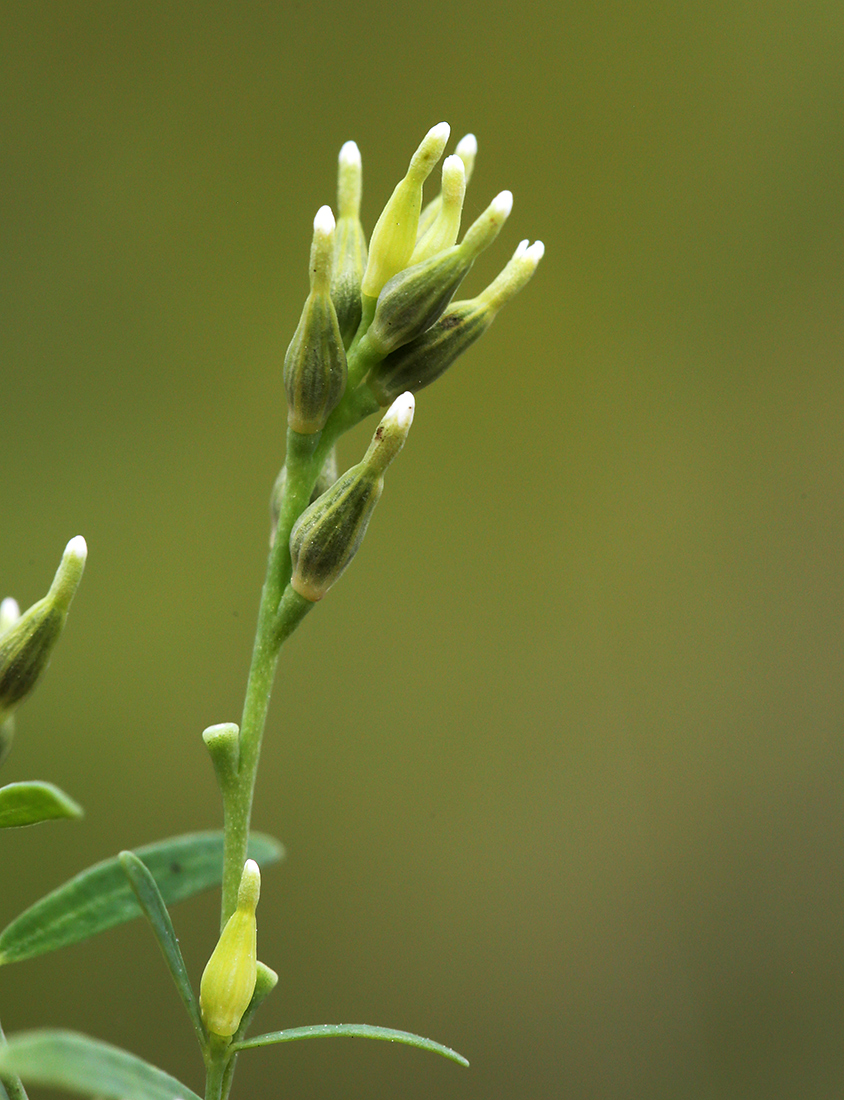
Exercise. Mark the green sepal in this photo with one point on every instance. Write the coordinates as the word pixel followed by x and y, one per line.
pixel 101 897
pixel 68 1060
pixel 151 902
pixel 354 1031
pixel 32 802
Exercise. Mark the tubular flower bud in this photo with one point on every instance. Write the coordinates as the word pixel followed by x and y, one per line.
pixel 349 244
pixel 28 641
pixel 413 300
pixel 442 233
pixel 467 150
pixel 420 362
pixel 315 363
pixel 228 980
pixel 394 236
pixel 327 535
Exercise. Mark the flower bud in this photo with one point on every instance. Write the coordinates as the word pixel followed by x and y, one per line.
pixel 422 361
pixel 327 535
pixel 443 230
pixel 467 149
pixel 349 244
pixel 228 980
pixel 27 643
pixel 413 300
pixel 315 363
pixel 394 236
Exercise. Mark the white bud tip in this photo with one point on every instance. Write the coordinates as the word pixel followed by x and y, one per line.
pixel 536 251
pixel 10 611
pixel 467 146
pixel 439 133
pixel 324 221
pixel 350 154
pixel 502 204
pixel 453 166
pixel 250 885
pixel 251 868
pixel 401 411
pixel 76 548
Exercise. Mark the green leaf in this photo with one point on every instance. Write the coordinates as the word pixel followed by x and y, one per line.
pixel 29 803
pixel 355 1031
pixel 151 902
pixel 101 897
pixel 67 1060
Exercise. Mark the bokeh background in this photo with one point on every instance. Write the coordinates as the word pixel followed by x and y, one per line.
pixel 559 763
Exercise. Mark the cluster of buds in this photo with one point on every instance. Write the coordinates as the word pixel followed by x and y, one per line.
pixel 28 640
pixel 380 324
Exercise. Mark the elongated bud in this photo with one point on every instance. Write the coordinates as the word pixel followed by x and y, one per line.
pixel 223 744
pixel 443 231
pixel 422 361
pixel 26 644
pixel 327 535
pixel 394 236
pixel 228 980
pixel 349 244
pixel 413 300
pixel 315 363
pixel 9 615
pixel 467 149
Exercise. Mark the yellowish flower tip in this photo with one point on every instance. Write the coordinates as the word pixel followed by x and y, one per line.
pixel 228 981
pixel 515 275
pixel 391 433
pixel 442 232
pixel 502 204
pixel 349 181
pixel 429 152
pixel 69 573
pixel 399 416
pixel 467 150
pixel 454 180
pixel 250 886
pixel 322 250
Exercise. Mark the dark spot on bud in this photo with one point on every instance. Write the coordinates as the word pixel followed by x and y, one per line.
pixel 450 320
pixel 379 432
pixel 175 868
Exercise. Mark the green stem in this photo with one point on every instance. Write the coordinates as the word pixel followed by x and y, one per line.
pixel 216 1064
pixel 11 1083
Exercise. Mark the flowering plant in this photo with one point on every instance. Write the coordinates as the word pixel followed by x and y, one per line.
pixel 378 325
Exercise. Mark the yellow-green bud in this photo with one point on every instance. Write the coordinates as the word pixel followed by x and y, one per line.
pixel 394 236
pixel 315 363
pixel 442 233
pixel 422 361
pixel 413 300
pixel 27 643
pixel 349 244
pixel 228 980
pixel 467 150
pixel 327 535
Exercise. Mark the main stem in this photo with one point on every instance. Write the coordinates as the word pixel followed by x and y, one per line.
pixel 305 458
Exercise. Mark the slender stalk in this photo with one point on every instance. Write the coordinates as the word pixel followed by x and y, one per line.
pixel 11 1084
pixel 216 1063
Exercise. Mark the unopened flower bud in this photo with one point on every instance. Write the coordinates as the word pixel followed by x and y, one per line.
pixel 327 535
pixel 420 362
pixel 394 236
pixel 315 363
pixel 27 643
pixel 228 980
pixel 349 244
pixel 467 149
pixel 413 300
pixel 443 230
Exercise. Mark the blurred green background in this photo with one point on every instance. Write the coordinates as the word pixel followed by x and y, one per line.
pixel 559 761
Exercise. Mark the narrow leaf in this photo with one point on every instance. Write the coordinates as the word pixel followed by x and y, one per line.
pixel 151 902
pixel 67 1060
pixel 355 1031
pixel 30 803
pixel 101 897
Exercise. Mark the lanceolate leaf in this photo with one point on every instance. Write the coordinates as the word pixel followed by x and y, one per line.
pixel 151 902
pixel 355 1031
pixel 101 897
pixel 29 803
pixel 67 1060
